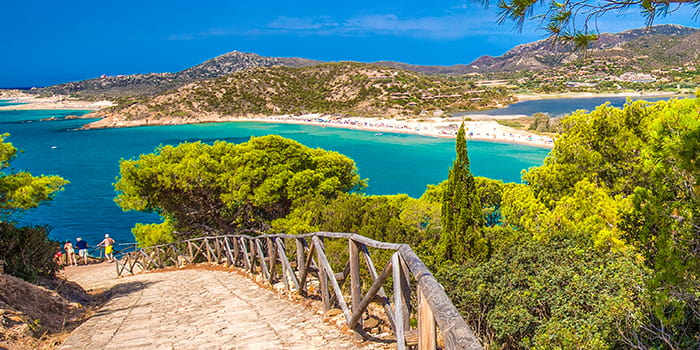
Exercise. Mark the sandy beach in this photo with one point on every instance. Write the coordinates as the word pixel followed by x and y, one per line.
pixel 30 102
pixel 485 130
pixel 479 127
pixel 446 127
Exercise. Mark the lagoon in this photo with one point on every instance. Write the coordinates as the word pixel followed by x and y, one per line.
pixel 561 106
pixel 89 159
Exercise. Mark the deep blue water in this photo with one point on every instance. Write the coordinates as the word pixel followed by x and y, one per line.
pixel 561 106
pixel 89 159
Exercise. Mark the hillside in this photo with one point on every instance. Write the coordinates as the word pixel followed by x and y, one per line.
pixel 346 88
pixel 661 46
pixel 154 83
pixel 658 47
pixel 39 317
pixel 458 69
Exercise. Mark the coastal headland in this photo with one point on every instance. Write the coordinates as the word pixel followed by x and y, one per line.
pixel 486 130
pixel 479 128
pixel 482 127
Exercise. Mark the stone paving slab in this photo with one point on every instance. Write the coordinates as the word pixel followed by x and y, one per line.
pixel 198 309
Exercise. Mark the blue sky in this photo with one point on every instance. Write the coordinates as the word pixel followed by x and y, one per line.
pixel 48 42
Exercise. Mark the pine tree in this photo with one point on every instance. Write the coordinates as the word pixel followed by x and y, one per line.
pixel 461 219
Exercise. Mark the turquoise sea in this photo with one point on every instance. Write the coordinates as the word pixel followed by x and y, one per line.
pixel 89 159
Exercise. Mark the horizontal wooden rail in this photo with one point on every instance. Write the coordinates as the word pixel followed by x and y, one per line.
pixel 414 291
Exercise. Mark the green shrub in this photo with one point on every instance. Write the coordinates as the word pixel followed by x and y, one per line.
pixel 154 234
pixel 27 251
pixel 510 123
pixel 551 296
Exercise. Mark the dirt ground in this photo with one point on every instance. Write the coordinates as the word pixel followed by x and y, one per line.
pixel 42 315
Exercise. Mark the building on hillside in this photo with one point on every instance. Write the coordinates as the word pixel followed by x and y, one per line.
pixel 637 78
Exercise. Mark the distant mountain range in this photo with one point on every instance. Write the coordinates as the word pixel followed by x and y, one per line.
pixel 657 47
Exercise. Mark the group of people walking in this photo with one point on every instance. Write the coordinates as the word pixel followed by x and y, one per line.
pixel 81 246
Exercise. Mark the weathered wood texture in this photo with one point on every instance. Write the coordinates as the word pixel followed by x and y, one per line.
pixel 415 294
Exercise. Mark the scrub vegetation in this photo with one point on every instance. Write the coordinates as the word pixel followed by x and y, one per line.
pixel 596 249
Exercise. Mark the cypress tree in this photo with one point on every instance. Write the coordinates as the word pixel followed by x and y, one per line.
pixel 461 215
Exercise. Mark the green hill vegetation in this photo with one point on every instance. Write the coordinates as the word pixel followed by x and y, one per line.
pixel 597 249
pixel 333 88
pixel 140 85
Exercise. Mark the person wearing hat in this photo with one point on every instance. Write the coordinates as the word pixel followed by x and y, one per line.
pixel 70 253
pixel 82 249
pixel 108 243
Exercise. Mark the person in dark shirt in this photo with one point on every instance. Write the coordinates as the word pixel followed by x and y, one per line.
pixel 82 249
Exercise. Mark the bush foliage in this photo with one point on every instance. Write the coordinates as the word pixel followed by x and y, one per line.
pixel 27 251
pixel 597 249
pixel 557 295
pixel 225 187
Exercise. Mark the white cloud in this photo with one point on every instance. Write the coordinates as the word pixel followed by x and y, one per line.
pixel 302 23
pixel 448 27
pixel 202 35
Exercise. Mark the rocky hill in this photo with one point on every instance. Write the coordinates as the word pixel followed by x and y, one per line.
pixel 659 46
pixel 346 88
pixel 151 84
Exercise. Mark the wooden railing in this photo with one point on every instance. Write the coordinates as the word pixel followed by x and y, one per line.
pixel 295 260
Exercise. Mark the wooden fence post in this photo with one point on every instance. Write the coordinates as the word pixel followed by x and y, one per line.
pixel 253 253
pixel 206 243
pixel 355 286
pixel 427 338
pixel 307 266
pixel 287 267
pixel 272 255
pixel 230 261
pixel 189 249
pixel 322 275
pixel 261 256
pixel 398 303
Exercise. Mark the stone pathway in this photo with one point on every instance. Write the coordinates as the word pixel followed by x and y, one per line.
pixel 198 308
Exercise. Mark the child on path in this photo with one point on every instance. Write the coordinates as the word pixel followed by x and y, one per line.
pixel 108 243
pixel 58 257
